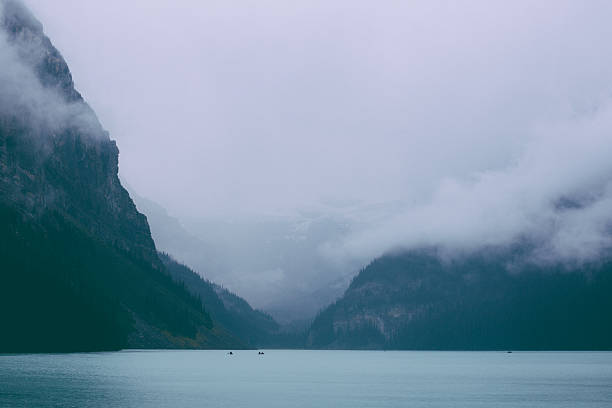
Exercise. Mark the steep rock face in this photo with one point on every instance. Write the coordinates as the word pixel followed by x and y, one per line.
pixel 59 159
pixel 487 300
pixel 78 267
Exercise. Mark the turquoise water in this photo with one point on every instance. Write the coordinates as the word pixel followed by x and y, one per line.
pixel 307 379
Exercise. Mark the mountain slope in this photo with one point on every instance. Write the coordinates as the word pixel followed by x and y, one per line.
pixel 233 253
pixel 487 300
pixel 229 310
pixel 78 267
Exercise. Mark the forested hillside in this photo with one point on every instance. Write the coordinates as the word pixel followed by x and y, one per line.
pixel 229 310
pixel 488 300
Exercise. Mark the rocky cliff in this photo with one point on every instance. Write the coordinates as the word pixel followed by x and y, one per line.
pixel 54 153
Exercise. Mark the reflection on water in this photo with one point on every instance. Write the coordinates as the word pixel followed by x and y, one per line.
pixel 306 379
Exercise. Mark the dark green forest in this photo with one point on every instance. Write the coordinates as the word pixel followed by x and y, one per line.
pixel 62 290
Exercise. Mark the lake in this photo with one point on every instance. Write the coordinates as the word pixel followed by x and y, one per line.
pixel 283 378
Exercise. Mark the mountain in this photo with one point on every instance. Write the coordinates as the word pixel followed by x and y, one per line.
pixel 227 309
pixel 283 273
pixel 231 311
pixel 171 237
pixel 493 299
pixel 256 328
pixel 274 262
pixel 78 267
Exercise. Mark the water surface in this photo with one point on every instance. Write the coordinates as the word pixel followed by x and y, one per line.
pixel 307 379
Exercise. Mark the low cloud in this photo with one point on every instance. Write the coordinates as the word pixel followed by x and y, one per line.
pixel 44 110
pixel 395 124
pixel 557 194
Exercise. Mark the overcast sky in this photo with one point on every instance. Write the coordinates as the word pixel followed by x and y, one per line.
pixel 471 120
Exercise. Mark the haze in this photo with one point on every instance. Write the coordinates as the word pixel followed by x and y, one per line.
pixel 394 124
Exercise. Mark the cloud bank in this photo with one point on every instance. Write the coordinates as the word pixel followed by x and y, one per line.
pixel 42 108
pixel 557 193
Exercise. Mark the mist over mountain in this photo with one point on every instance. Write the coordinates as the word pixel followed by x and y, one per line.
pixel 305 203
pixel 277 263
pixel 286 159
pixel 78 268
pixel 254 327
pixel 426 124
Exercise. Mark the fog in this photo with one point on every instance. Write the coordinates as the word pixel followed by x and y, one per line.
pixel 396 124
pixel 25 99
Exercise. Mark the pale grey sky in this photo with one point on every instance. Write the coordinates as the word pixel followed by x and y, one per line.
pixel 421 122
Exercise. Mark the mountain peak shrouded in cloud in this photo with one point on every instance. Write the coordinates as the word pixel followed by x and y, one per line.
pixel 562 162
pixel 433 124
pixel 36 50
pixel 37 85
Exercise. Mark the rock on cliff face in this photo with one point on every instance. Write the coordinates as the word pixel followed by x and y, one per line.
pixel 78 266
